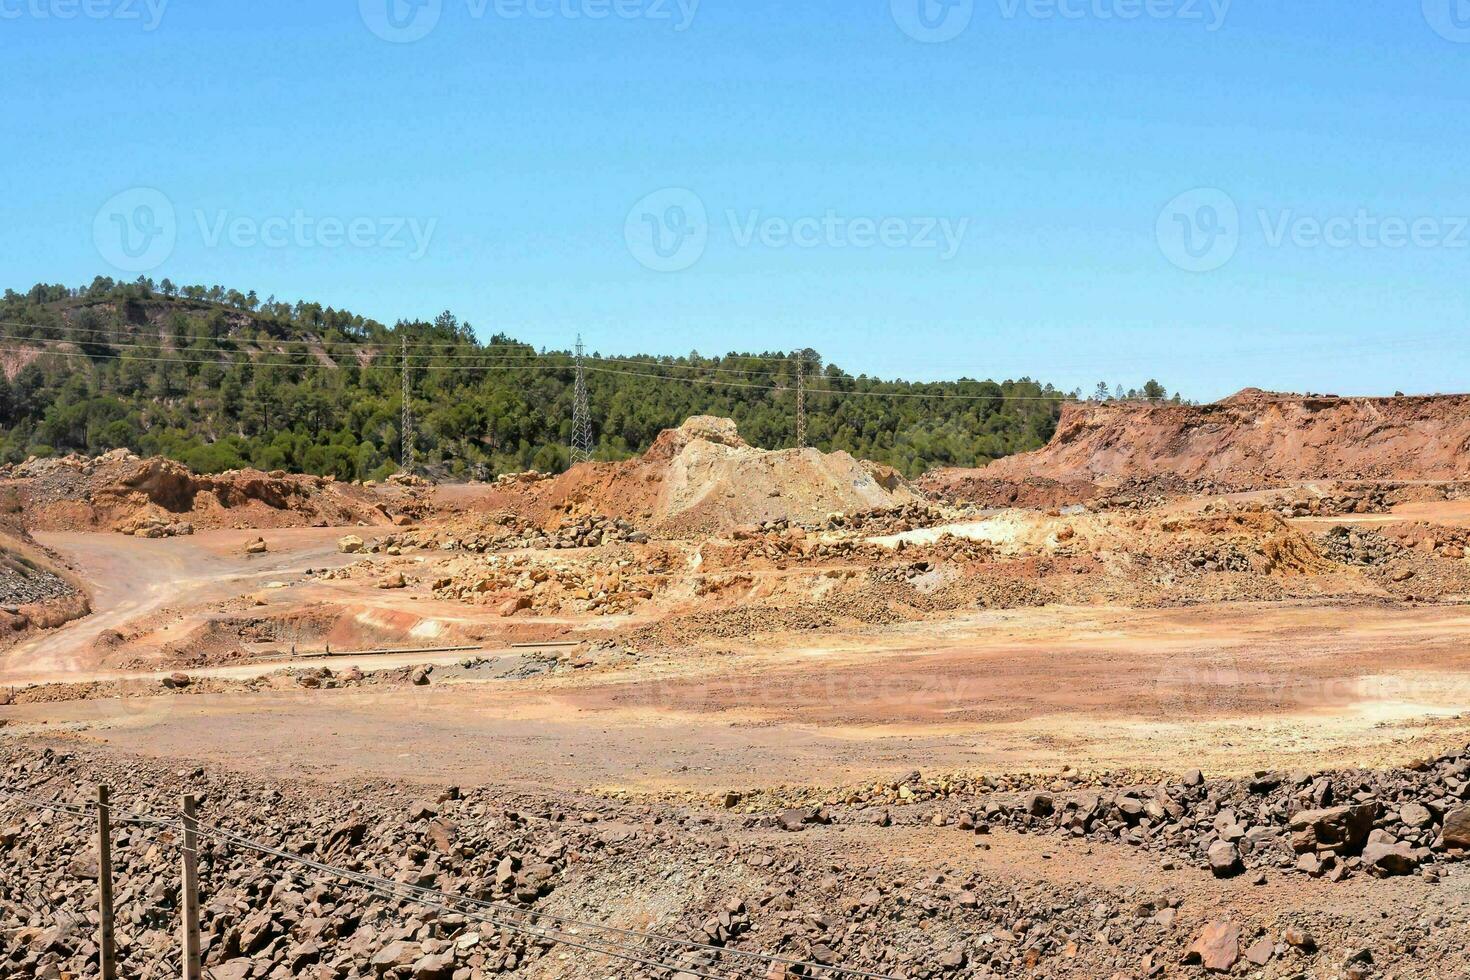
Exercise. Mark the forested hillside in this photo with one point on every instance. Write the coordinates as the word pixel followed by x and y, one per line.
pixel 219 379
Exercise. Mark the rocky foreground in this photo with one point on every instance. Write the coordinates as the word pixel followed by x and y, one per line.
pixel 1276 876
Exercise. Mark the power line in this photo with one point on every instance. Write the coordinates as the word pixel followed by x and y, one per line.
pixel 375 348
pixel 1057 398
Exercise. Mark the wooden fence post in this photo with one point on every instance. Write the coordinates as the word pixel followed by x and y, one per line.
pixel 106 953
pixel 189 902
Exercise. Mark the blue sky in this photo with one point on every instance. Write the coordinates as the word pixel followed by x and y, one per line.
pixel 1218 195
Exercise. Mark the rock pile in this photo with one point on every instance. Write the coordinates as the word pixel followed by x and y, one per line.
pixel 22 583
pixel 154 526
pixel 506 532
pixel 132 494
pixel 517 582
pixel 1344 500
pixel 1352 546
pixel 1335 825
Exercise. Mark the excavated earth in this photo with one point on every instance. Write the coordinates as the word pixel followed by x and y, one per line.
pixel 1253 438
pixel 1116 709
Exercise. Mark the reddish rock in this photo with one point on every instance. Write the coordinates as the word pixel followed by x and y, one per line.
pixel 1217 947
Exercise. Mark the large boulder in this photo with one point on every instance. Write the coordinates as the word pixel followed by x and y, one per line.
pixel 1457 828
pixel 1386 855
pixel 1217 947
pixel 1340 829
pixel 1224 859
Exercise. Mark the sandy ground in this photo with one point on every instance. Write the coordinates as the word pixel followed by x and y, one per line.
pixel 1228 688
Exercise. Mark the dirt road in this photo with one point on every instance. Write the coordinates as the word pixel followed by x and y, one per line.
pixel 135 578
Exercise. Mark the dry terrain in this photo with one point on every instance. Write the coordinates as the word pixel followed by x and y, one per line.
pixel 1177 695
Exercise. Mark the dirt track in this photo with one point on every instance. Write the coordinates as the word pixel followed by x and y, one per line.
pixel 134 579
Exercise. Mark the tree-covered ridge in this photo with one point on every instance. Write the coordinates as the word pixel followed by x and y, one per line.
pixel 220 379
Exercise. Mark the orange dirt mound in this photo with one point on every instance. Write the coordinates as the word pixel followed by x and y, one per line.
pixel 119 490
pixel 703 477
pixel 1256 436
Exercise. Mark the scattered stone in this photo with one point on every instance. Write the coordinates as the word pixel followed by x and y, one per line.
pixel 1217 947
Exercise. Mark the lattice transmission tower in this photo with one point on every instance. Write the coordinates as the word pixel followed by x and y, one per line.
pixel 409 461
pixel 801 400
pixel 581 448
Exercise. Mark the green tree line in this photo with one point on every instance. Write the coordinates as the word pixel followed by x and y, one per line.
pixel 220 379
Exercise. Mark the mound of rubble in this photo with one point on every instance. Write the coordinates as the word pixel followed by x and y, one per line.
pixel 36 590
pixel 507 532
pixel 1256 437
pixel 1352 546
pixel 1334 825
pixel 158 497
pixel 704 478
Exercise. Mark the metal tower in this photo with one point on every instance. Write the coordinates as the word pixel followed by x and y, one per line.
pixel 801 400
pixel 581 448
pixel 408 462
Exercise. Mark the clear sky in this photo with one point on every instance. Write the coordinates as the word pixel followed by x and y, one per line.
pixel 1217 194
